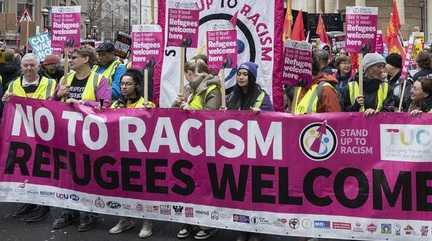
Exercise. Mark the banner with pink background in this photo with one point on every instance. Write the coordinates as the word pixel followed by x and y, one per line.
pixel 147 45
pixel 65 27
pixel 337 175
pixel 361 28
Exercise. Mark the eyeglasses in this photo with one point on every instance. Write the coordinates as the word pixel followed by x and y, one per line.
pixel 127 84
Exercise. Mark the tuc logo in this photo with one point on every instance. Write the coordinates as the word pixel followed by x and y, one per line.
pixel 406 142
pixel 318 141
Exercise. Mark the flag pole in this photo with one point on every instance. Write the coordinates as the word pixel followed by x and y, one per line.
pixel 360 59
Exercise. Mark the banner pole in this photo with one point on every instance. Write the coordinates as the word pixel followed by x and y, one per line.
pixel 402 95
pixel 146 80
pixel 360 59
pixel 222 87
pixel 152 7
pixel 182 64
pixel 27 35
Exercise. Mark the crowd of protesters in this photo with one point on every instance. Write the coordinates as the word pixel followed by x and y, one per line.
pixel 98 77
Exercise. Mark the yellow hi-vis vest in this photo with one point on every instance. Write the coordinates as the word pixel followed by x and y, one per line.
pixel 90 89
pixel 44 91
pixel 309 102
pixel 140 103
pixel 354 92
pixel 108 72
pixel 197 102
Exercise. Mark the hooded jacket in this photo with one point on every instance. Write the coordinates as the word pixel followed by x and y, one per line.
pixel 199 85
pixel 328 100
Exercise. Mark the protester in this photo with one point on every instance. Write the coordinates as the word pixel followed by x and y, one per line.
pixel 394 70
pixel 110 67
pixel 51 67
pixel 324 57
pixel 82 86
pixel 424 63
pixel 343 74
pixel 197 65
pixel 9 67
pixel 31 85
pixel 421 96
pixel 131 97
pixel 319 96
pixel 248 95
pixel 376 97
pixel 204 94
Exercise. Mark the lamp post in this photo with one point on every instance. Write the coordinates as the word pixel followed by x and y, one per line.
pixel 94 33
pixel 45 15
pixel 87 26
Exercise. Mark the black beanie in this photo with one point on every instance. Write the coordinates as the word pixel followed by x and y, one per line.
pixel 395 60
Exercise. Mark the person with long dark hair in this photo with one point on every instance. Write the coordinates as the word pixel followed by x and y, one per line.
pixel 421 96
pixel 247 93
pixel 131 92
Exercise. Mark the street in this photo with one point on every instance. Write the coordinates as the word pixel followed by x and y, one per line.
pixel 13 229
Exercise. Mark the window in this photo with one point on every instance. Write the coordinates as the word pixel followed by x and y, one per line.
pixel 23 5
pixel 1 6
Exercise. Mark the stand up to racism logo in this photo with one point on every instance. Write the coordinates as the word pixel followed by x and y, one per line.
pixel 318 141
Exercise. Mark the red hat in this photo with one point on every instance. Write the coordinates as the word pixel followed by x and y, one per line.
pixel 51 59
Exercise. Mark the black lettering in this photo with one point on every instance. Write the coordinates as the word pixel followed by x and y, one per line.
pixel 128 174
pixel 152 175
pixel 58 164
pixel 189 182
pixel 308 187
pixel 284 197
pixel 258 184
pixel 85 180
pixel 170 53
pixel 219 188
pixel 363 188
pixel 423 191
pixel 13 158
pixel 230 3
pixel 380 185
pixel 39 160
pixel 113 183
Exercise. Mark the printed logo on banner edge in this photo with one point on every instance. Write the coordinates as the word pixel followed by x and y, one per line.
pixel 316 144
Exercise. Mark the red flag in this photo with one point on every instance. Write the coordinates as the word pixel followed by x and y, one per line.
pixel 298 29
pixel 321 31
pixel 233 20
pixel 287 22
pixel 394 41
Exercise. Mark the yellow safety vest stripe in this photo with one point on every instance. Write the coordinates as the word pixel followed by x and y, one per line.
pixel 354 92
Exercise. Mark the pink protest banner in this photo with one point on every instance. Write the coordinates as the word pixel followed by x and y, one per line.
pixel 65 27
pixel 333 175
pixel 361 28
pixel 222 49
pixel 147 43
pixel 379 45
pixel 297 68
pixel 183 23
pixel 408 58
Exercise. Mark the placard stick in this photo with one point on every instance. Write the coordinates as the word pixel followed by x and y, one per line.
pixel 152 8
pixel 146 81
pixel 182 64
pixel 402 95
pixel 222 87
pixel 360 57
